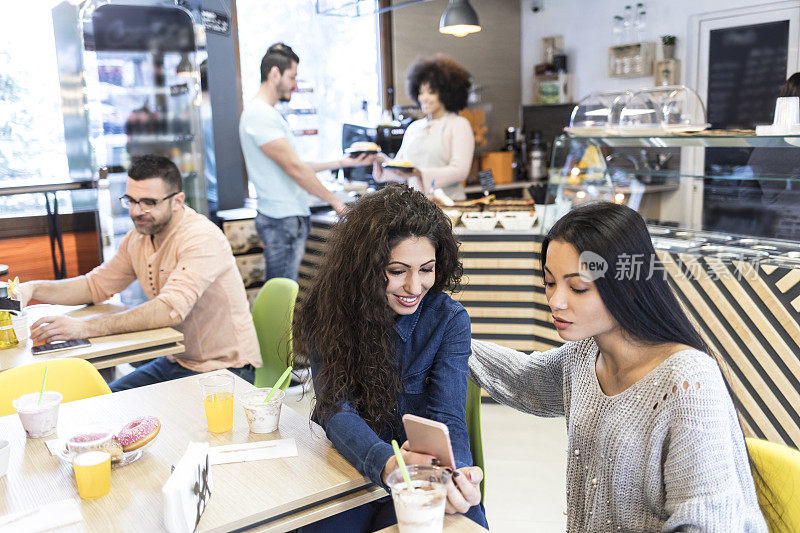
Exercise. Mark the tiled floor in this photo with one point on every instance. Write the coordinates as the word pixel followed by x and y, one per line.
pixel 526 463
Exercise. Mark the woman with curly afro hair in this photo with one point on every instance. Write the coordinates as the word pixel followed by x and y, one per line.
pixel 385 339
pixel 441 145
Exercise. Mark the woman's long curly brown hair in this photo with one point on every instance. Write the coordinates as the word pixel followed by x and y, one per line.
pixel 345 318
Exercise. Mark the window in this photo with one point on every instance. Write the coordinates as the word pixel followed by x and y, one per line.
pixel 32 145
pixel 338 70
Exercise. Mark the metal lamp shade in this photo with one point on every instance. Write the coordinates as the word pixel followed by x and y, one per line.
pixel 459 19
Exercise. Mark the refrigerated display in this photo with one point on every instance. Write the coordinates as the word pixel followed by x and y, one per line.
pixel 141 82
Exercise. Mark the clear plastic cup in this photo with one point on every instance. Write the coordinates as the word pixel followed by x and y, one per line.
pixel 420 510
pixel 217 392
pixel 262 417
pixel 94 438
pixel 5 453
pixel 38 419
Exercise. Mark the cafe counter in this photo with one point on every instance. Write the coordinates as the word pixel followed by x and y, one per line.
pixel 747 308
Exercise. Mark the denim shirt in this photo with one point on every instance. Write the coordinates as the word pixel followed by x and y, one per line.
pixel 433 345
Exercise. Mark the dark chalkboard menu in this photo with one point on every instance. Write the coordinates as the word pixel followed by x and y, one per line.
pixel 747 66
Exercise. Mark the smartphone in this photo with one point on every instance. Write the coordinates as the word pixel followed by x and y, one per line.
pixel 430 437
pixel 56 346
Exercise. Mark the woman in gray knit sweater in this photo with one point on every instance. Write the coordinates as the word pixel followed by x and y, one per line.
pixel 654 439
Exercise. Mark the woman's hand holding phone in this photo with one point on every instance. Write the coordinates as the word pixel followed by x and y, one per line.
pixel 411 458
pixel 464 490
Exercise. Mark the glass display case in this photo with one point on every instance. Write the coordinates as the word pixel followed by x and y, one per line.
pixel 142 88
pixel 727 236
pixel 690 207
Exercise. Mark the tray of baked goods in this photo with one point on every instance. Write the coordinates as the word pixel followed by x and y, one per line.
pixel 484 214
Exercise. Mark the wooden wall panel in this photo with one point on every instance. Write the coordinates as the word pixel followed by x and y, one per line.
pixel 492 55
pixel 29 257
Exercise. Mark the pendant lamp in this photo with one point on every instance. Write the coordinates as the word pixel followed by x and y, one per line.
pixel 459 19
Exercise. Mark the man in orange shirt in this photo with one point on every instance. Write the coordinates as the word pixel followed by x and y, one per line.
pixel 185 266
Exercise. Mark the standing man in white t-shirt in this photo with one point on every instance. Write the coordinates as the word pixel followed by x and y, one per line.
pixel 281 179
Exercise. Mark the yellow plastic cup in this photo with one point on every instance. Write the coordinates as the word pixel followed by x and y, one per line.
pixel 92 474
pixel 217 393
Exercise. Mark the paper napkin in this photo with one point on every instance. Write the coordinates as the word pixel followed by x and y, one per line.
pixel 253 451
pixel 188 489
pixel 53 515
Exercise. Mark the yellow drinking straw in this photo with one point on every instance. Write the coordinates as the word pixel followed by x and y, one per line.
pixel 278 384
pixel 44 382
pixel 402 465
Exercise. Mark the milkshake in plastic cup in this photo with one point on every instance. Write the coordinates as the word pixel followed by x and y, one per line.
pixel 38 419
pixel 262 417
pixel 420 510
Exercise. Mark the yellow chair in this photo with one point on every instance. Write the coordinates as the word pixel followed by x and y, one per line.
pixel 74 378
pixel 779 467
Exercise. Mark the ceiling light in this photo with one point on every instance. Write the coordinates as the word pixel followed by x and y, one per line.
pixel 459 19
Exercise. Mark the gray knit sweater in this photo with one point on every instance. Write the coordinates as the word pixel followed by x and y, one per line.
pixel 667 454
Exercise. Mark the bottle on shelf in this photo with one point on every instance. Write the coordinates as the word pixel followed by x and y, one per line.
pixel 627 24
pixel 617 30
pixel 640 23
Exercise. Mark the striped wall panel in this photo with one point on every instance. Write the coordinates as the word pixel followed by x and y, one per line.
pixel 748 318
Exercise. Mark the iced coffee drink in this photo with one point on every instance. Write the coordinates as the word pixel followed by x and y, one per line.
pixel 421 509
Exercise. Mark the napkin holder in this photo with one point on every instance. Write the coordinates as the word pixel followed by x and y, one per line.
pixel 188 489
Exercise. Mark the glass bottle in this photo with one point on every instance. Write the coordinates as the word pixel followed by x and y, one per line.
pixel 617 30
pixel 640 24
pixel 627 24
pixel 8 339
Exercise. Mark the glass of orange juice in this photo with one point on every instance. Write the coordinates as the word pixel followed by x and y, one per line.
pixel 217 392
pixel 92 474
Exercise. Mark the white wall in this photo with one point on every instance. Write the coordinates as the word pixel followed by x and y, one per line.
pixel 586 27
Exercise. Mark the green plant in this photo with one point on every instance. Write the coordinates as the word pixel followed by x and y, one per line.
pixel 667 40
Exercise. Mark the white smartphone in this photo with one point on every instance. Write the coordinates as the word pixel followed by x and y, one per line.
pixel 430 437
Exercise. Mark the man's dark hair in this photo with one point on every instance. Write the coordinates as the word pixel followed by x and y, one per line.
pixel 445 77
pixel 156 166
pixel 278 55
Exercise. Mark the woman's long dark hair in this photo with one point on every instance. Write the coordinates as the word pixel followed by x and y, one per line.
pixel 642 303
pixel 345 320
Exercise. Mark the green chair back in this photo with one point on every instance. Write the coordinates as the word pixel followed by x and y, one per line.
pixel 272 314
pixel 474 428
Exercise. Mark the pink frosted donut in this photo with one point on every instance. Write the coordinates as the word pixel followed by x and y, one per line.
pixel 139 432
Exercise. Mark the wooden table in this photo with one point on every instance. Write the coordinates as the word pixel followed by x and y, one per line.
pixel 270 495
pixel 103 352
pixel 453 523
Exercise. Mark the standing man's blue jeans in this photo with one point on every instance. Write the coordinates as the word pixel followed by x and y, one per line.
pixel 284 244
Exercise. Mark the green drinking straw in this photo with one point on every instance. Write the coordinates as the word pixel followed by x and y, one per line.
pixel 278 384
pixel 44 382
pixel 402 465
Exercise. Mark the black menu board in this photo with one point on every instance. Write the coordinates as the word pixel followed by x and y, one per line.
pixel 747 66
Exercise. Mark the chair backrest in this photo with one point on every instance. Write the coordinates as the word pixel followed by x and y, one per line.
pixel 779 467
pixel 73 377
pixel 273 310
pixel 474 428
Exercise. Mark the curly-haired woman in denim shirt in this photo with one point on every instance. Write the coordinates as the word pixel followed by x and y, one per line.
pixel 384 340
